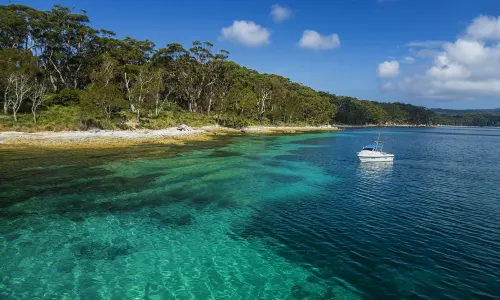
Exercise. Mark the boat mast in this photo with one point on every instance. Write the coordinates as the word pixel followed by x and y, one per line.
pixel 378 142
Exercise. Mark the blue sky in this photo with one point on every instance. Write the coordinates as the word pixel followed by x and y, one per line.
pixel 373 58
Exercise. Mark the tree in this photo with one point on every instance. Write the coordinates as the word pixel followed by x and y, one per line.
pixel 18 90
pixel 160 90
pixel 103 98
pixel 65 45
pixel 140 89
pixel 37 98
pixel 15 26
pixel 106 71
pixel 263 91
pixel 12 61
pixel 219 80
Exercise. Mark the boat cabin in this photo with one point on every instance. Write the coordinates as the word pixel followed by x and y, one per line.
pixel 372 148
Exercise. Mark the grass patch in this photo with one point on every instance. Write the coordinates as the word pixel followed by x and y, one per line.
pixel 176 118
pixel 55 118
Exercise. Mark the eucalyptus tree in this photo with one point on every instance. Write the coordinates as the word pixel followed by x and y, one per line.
pixel 219 81
pixel 106 71
pixel 101 98
pixel 38 96
pixel 160 89
pixel 19 87
pixel 132 56
pixel 263 91
pixel 65 45
pixel 198 72
pixel 12 63
pixel 15 26
pixel 169 65
pixel 140 92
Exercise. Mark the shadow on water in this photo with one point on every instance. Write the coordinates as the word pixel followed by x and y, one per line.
pixel 316 141
pixel 167 220
pixel 326 260
pixel 72 180
pixel 222 153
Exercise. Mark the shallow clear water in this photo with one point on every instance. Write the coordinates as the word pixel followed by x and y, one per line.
pixel 256 217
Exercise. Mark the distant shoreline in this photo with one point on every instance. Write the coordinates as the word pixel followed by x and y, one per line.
pixel 411 126
pixel 376 126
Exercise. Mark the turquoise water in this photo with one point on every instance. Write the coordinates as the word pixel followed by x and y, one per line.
pixel 256 217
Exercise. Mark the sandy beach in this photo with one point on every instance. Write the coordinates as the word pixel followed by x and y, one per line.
pixel 116 138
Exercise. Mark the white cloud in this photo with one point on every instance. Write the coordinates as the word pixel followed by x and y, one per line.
pixel 466 68
pixel 408 60
pixel 246 33
pixel 444 69
pixel 485 28
pixel 280 13
pixel 426 44
pixel 313 40
pixel 425 53
pixel 388 69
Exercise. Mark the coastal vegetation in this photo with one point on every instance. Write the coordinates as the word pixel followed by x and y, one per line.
pixel 468 117
pixel 57 73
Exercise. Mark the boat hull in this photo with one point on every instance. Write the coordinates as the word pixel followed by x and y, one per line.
pixel 376 158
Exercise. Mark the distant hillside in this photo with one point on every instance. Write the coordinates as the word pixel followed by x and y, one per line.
pixel 457 112
pixel 467 117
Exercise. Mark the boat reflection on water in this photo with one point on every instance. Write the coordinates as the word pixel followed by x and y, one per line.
pixel 375 170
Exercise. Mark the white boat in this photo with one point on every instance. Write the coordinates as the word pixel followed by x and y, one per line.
pixel 374 153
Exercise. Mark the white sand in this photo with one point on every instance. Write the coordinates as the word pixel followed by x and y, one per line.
pixel 92 134
pixel 9 137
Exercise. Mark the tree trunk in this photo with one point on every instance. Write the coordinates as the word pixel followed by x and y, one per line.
pixel 5 102
pixel 34 116
pixel 61 77
pixel 75 79
pixel 127 86
pixel 157 102
pixel 53 82
pixel 209 106
pixel 14 113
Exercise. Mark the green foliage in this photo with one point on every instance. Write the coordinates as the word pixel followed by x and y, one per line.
pixel 106 82
pixel 66 97
pixel 469 119
pixel 175 117
pixel 101 101
pixel 164 120
pixel 234 121
pixel 55 118
pixel 193 119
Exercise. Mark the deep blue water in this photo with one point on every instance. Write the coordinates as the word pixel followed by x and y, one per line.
pixel 257 217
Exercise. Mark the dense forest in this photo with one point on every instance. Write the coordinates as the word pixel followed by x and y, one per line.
pixel 57 72
pixel 468 117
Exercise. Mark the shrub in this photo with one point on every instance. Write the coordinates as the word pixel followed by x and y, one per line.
pixel 193 119
pixel 54 118
pixel 65 97
pixel 164 120
pixel 233 121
